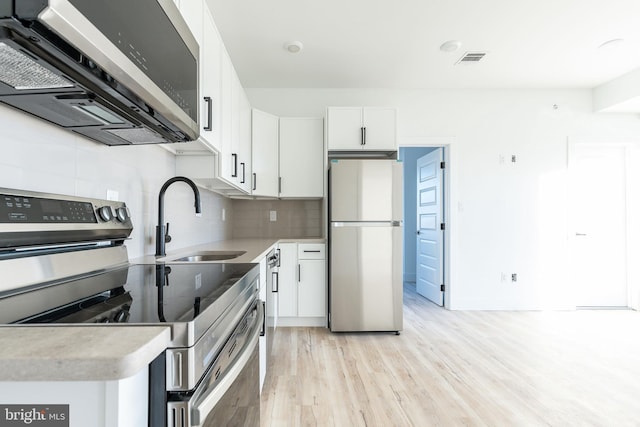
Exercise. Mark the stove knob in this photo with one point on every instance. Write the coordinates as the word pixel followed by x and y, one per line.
pixel 105 213
pixel 121 316
pixel 122 214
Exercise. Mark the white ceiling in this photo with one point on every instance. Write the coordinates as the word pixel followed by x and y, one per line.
pixel 395 43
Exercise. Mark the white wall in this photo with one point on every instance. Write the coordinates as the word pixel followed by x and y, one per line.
pixel 38 156
pixel 506 217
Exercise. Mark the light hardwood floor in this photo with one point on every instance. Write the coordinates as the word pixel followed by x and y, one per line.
pixel 460 368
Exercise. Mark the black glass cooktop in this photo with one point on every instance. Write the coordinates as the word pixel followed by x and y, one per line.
pixel 131 294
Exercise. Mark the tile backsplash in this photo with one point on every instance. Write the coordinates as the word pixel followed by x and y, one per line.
pixel 294 218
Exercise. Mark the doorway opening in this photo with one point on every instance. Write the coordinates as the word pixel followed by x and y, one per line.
pixel 424 221
pixel 604 230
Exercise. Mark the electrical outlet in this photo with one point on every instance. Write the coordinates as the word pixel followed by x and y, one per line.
pixel 198 280
pixel 273 216
pixel 503 277
pixel 514 277
pixel 112 195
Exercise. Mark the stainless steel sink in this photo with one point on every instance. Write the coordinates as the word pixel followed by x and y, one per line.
pixel 204 256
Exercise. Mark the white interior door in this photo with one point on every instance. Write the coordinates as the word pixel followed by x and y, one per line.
pixel 430 237
pixel 599 249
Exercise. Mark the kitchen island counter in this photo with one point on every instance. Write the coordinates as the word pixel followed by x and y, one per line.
pixel 78 353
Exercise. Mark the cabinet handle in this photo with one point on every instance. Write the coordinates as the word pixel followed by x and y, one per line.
pixel 306 251
pixel 278 257
pixel 209 102
pixel 274 276
pixel 243 172
pixel 279 184
pixel 299 274
pixel 362 136
pixel 234 156
pixel 263 331
pixel 255 181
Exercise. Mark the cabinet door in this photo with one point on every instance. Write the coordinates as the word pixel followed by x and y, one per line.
pixel 264 140
pixel 288 280
pixel 244 142
pixel 227 162
pixel 210 83
pixel 344 128
pixel 380 125
pixel 301 157
pixel 235 126
pixel 311 288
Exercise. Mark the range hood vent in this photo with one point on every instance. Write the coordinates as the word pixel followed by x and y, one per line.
pixel 99 68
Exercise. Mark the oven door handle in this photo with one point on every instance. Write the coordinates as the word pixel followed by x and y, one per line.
pixel 206 405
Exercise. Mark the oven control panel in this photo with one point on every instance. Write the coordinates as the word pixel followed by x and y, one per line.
pixel 38 210
pixel 29 218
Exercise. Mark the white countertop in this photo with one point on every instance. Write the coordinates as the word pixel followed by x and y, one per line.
pixel 78 353
pixel 256 249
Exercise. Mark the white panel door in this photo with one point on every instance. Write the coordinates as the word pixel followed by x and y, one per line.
pixel 600 242
pixel 430 237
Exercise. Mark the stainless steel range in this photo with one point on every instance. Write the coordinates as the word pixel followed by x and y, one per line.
pixel 63 261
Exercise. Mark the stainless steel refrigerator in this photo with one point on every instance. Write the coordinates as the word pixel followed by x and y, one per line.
pixel 365 244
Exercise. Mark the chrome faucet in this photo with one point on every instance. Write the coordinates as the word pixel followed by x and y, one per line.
pixel 162 232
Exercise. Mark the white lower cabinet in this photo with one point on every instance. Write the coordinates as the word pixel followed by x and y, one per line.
pixel 117 403
pixel 303 285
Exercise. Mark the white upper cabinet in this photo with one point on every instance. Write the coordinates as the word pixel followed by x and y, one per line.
pixel 210 79
pixel 224 146
pixel 361 128
pixel 244 141
pixel 301 157
pixel 264 154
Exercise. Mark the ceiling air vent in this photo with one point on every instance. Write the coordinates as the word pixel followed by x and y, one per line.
pixel 471 57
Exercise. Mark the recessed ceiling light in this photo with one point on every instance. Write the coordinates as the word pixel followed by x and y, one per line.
pixel 450 46
pixel 611 43
pixel 293 47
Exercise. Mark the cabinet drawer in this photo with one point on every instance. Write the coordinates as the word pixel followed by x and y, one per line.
pixel 311 251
